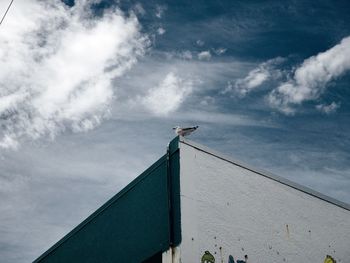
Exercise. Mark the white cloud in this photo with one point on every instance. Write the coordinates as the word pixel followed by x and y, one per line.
pixel 204 55
pixel 8 142
pixel 186 55
pixel 3 7
pixel 161 31
pixel 56 67
pixel 256 77
pixel 220 51
pixel 328 109
pixel 183 55
pixel 168 95
pixel 311 78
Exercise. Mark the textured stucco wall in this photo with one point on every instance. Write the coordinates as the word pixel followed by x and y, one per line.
pixel 228 210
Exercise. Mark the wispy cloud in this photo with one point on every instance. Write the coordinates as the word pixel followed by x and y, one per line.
pixel 311 78
pixel 185 84
pixel 220 51
pixel 186 55
pixel 255 77
pixel 160 11
pixel 168 95
pixel 299 84
pixel 328 108
pixel 57 64
pixel 138 9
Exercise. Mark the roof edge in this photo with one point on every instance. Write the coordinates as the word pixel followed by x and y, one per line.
pixel 266 174
pixel 102 208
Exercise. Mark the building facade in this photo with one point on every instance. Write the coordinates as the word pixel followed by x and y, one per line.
pixel 197 205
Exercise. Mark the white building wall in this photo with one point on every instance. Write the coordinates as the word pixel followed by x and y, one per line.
pixel 228 210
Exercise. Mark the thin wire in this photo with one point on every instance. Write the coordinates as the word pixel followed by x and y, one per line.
pixel 8 8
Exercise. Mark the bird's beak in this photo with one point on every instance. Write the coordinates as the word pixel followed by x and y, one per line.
pixel 174 128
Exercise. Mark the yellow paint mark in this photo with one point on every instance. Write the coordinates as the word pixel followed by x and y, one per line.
pixel 329 259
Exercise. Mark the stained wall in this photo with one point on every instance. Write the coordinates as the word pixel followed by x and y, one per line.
pixel 238 215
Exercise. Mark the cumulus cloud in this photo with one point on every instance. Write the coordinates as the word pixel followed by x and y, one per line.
pixel 311 78
pixel 168 95
pixel 204 55
pixel 56 67
pixel 256 77
pixel 328 108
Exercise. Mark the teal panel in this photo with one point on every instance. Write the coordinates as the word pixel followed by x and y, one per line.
pixel 174 175
pixel 131 227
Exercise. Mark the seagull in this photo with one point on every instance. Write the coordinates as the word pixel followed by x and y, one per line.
pixel 184 131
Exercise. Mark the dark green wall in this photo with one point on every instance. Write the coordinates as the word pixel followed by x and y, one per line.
pixel 138 222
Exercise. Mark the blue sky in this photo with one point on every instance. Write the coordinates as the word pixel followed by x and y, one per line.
pixel 89 92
